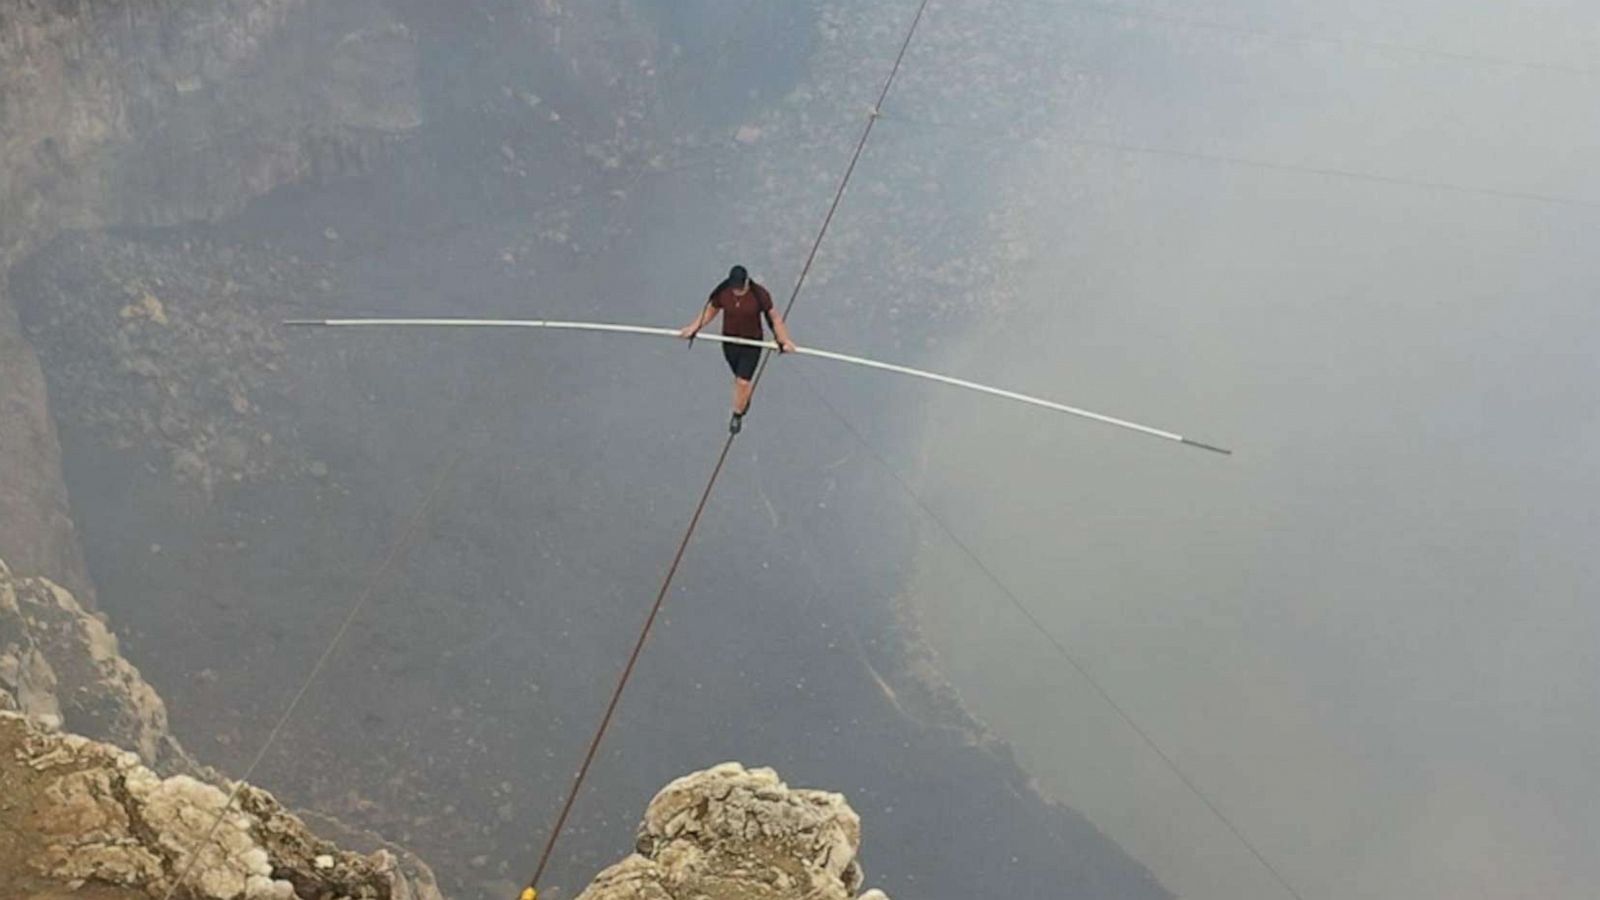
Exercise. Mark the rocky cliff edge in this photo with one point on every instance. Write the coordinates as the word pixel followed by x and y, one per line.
pixel 731 833
pixel 86 819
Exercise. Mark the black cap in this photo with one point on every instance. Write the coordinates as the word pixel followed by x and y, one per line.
pixel 738 277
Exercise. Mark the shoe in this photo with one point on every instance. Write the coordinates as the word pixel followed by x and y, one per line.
pixel 735 422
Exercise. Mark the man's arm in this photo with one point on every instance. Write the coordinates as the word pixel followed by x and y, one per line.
pixel 780 330
pixel 700 321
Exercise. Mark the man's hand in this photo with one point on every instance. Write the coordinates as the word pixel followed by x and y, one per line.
pixel 687 331
pixel 786 346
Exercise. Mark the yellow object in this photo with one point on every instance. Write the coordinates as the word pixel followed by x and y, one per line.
pixel 529 893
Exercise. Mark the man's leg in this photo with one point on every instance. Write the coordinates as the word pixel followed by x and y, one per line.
pixel 741 395
pixel 744 362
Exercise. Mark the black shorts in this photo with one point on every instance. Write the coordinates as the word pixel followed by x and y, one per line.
pixel 742 360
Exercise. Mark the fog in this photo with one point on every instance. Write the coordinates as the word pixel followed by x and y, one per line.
pixel 1361 259
pixel 1349 241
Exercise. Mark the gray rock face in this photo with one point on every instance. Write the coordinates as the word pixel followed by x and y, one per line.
pixel 36 530
pixel 76 812
pixel 169 111
pixel 156 113
pixel 60 665
pixel 731 833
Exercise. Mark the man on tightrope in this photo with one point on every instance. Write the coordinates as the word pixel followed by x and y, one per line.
pixel 742 303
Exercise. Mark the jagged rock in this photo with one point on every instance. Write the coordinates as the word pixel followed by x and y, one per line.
pixel 731 833
pixel 60 664
pixel 78 812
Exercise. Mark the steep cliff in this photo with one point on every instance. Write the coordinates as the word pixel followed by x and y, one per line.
pixel 153 114
pixel 36 527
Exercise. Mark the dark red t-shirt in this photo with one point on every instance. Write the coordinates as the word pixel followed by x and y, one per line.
pixel 741 316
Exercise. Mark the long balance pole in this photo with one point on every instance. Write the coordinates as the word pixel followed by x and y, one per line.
pixel 803 351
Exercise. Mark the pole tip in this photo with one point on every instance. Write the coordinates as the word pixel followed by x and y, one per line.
pixel 302 322
pixel 1193 443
